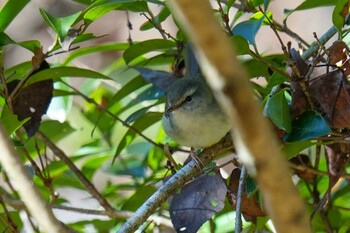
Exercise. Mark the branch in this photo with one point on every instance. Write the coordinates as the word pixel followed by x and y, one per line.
pixel 185 174
pixel 254 139
pixel 37 207
pixel 90 187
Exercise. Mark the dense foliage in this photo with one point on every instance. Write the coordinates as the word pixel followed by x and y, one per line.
pixel 111 117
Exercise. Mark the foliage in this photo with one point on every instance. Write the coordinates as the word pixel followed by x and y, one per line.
pixel 111 120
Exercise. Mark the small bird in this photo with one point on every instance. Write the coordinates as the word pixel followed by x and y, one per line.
pixel 192 116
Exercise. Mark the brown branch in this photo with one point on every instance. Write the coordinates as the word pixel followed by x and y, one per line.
pixel 254 140
pixel 89 186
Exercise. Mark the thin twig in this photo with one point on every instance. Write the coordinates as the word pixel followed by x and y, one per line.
pixel 241 185
pixel 90 187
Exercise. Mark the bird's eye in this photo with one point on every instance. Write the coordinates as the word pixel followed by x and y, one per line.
pixel 188 99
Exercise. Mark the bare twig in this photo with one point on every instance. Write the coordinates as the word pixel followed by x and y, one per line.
pixel 90 187
pixel 40 210
pixel 241 185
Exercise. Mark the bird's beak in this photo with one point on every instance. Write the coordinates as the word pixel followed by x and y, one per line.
pixel 169 110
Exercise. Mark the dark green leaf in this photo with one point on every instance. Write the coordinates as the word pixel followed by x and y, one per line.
pixel 102 7
pixel 291 149
pixel 163 15
pixel 266 4
pixel 9 11
pixel 276 79
pixel 56 130
pixel 138 198
pixel 309 125
pixel 30 45
pixel 248 29
pixel 277 109
pixel 241 45
pixel 147 46
pixel 60 25
pixel 309 4
pixel 339 13
pixel 141 124
pixel 59 72
pixel 99 48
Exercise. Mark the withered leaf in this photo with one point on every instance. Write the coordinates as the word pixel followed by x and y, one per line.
pixel 339 54
pixel 197 202
pixel 32 101
pixel 330 93
pixel 250 207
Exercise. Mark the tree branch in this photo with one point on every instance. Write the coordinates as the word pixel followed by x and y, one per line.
pixel 254 140
pixel 38 208
pixel 185 174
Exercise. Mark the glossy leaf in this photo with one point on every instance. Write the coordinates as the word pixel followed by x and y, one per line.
pixel 60 25
pixel 30 45
pixel 277 109
pixel 241 45
pixel 308 126
pixel 9 12
pixel 291 149
pixel 59 72
pixel 339 13
pixel 161 17
pixel 309 4
pixel 146 46
pixel 248 29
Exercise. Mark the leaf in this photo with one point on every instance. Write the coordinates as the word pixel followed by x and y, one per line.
pixel 308 126
pixel 141 124
pixel 161 17
pixel 10 123
pixel 276 79
pixel 339 13
pixel 331 93
pixel 248 29
pixel 310 4
pixel 99 48
pixel 27 104
pixel 30 45
pixel 277 109
pixel 146 46
pixel 59 72
pixel 197 202
pixel 241 45
pixel 266 4
pixel 138 198
pixel 60 25
pixel 56 130
pixel 9 11
pixel 101 7
pixel 291 149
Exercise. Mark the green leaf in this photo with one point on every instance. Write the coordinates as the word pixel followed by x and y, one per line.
pixel 138 198
pixel 9 11
pixel 310 4
pixel 146 46
pixel 291 149
pixel 31 45
pixel 56 130
pixel 248 29
pixel 266 4
pixel 141 124
pixel 339 13
pixel 241 45
pixel 102 7
pixel 161 17
pixel 59 72
pixel 309 125
pixel 92 164
pixel 60 25
pixel 99 48
pixel 11 124
pixel 277 109
pixel 276 79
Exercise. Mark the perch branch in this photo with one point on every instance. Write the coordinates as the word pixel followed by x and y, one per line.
pixel 185 174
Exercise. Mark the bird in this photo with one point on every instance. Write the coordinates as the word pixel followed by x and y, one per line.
pixel 192 116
